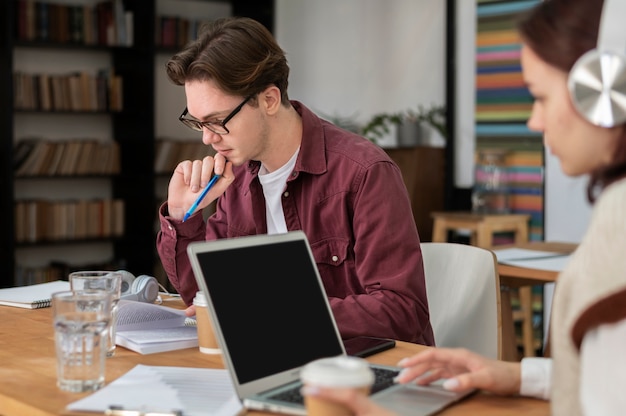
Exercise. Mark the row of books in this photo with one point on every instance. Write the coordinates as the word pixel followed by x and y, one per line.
pixel 76 91
pixel 170 152
pixel 42 220
pixel 38 157
pixel 56 270
pixel 176 32
pixel 106 23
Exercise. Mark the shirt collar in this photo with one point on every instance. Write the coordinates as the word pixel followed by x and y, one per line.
pixel 312 157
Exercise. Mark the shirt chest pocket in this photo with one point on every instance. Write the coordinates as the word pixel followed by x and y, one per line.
pixel 333 252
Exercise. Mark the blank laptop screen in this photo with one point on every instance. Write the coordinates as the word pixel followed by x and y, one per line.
pixel 270 306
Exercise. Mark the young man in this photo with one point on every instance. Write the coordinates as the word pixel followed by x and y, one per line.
pixel 282 168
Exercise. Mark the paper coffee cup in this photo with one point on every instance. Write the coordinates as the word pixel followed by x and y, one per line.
pixel 342 372
pixel 206 337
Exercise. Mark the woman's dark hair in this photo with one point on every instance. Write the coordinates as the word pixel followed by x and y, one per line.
pixel 560 32
pixel 239 54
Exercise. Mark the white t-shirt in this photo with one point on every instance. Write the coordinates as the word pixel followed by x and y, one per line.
pixel 273 186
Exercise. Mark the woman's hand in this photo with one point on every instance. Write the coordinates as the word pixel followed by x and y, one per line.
pixel 190 177
pixel 463 370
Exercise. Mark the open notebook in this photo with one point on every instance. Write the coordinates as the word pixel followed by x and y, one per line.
pixel 33 296
pixel 257 287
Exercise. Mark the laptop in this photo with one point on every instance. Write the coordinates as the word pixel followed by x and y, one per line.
pixel 271 316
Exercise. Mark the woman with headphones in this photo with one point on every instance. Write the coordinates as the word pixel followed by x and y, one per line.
pixel 574 63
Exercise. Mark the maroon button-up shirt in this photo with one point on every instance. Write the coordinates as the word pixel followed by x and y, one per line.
pixel 349 198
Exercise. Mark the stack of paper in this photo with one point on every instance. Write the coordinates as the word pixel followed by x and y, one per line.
pixel 147 328
pixel 192 391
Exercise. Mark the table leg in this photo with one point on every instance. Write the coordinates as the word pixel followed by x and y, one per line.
pixel 526 304
pixel 509 343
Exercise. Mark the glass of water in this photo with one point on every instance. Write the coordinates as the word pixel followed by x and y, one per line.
pixel 110 282
pixel 81 321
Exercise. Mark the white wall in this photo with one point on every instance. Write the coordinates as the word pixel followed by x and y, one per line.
pixel 356 58
pixel 567 215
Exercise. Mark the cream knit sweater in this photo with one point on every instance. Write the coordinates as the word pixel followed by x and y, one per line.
pixel 596 269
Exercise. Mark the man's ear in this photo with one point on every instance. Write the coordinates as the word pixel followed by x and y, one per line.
pixel 270 100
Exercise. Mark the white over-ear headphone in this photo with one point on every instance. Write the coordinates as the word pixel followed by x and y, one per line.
pixel 142 288
pixel 597 81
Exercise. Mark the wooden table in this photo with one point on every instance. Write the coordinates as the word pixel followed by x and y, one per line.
pixel 481 226
pixel 28 373
pixel 524 278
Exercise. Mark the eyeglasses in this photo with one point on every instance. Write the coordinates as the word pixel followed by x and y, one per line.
pixel 217 127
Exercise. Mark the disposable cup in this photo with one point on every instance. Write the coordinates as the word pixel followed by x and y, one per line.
pixel 341 372
pixel 207 342
pixel 81 320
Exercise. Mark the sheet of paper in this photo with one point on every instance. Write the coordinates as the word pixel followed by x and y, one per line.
pixel 507 254
pixel 532 259
pixel 194 391
pixel 133 315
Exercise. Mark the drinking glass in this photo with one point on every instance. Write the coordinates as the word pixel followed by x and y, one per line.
pixel 81 320
pixel 108 281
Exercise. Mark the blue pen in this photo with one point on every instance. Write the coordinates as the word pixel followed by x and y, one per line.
pixel 205 191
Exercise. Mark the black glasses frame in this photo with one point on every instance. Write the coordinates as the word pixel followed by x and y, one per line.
pixel 214 127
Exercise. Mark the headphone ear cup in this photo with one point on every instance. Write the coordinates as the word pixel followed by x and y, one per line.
pixel 145 288
pixel 597 85
pixel 127 282
pixel 597 81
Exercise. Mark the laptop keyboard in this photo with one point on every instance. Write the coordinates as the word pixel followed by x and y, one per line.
pixel 383 378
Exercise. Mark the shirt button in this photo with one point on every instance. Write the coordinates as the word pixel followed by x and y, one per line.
pixel 293 174
pixel 286 194
pixel 335 258
pixel 170 227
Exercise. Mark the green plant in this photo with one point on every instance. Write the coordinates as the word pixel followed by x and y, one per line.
pixel 379 125
pixel 435 116
pixel 345 122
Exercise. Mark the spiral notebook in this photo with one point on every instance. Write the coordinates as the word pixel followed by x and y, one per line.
pixel 33 296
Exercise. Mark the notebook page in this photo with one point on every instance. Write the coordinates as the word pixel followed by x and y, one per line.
pixel 33 296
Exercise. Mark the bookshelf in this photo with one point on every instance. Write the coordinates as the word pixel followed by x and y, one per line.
pixel 131 128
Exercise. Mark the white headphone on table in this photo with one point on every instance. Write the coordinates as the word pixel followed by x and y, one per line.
pixel 142 288
pixel 597 81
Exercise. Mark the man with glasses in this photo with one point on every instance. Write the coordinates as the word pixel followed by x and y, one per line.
pixel 282 168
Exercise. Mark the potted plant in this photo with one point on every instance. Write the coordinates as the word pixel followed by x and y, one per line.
pixel 433 116
pixel 380 125
pixel 408 124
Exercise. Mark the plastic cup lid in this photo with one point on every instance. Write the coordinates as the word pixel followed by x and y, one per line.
pixel 341 371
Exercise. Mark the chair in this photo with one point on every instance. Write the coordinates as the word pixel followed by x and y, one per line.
pixel 463 289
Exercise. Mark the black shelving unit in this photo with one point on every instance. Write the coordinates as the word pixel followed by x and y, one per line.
pixel 133 128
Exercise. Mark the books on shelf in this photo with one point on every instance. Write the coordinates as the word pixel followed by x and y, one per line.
pixel 106 22
pixel 39 157
pixel 42 220
pixel 148 328
pixel 75 91
pixel 170 152
pixel 33 296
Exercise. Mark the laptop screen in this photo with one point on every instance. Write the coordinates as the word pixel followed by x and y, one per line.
pixel 269 303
